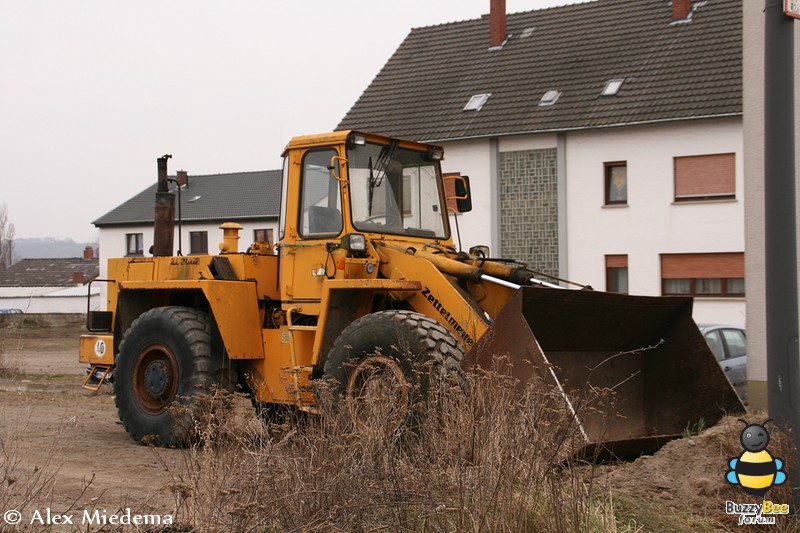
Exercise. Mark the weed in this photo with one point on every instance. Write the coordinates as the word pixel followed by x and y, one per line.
pixel 10 359
pixel 694 429
pixel 485 457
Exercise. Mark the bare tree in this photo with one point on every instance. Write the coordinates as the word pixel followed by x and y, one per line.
pixel 6 239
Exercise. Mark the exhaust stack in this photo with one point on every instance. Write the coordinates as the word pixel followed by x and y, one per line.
pixel 164 221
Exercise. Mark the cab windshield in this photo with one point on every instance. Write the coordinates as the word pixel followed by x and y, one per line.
pixel 395 190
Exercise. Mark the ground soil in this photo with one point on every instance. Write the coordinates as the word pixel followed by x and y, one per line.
pixel 49 423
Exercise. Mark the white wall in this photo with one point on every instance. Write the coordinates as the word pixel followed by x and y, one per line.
pixel 473 159
pixel 652 223
pixel 51 299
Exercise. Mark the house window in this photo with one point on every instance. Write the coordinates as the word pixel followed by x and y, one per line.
pixel 549 98
pixel 705 177
pixel 198 242
pixel 134 244
pixel 263 235
pixel 409 194
pixel 616 183
pixel 476 102
pixel 612 87
pixel 712 274
pixel 617 274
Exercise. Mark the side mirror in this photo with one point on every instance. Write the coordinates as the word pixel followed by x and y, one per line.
pixel 463 196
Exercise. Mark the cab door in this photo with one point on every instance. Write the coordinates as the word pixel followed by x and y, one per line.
pixel 314 219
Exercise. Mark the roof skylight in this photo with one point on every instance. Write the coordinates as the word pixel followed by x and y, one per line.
pixel 612 87
pixel 549 98
pixel 476 102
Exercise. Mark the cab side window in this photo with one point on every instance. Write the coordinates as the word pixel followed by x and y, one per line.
pixel 320 200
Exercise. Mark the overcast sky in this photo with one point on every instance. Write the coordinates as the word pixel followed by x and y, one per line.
pixel 94 91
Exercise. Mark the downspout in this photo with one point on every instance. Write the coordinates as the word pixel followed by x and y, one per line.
pixel 561 189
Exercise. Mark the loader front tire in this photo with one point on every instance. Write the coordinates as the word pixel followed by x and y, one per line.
pixel 399 355
pixel 164 360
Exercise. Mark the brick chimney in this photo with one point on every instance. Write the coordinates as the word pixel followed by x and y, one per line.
pixel 182 177
pixel 681 9
pixel 78 278
pixel 497 23
pixel 88 253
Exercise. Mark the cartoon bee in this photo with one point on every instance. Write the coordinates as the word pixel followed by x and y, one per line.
pixel 755 470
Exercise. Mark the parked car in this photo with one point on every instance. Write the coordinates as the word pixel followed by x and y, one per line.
pixel 10 311
pixel 729 347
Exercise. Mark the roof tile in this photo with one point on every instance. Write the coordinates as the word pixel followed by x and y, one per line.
pixel 215 197
pixel 56 272
pixel 671 71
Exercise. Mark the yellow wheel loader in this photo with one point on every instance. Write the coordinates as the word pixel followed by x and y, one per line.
pixel 364 283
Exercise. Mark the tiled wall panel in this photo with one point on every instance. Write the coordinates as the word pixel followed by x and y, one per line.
pixel 529 208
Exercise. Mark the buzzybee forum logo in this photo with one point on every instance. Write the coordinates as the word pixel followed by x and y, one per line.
pixel 755 471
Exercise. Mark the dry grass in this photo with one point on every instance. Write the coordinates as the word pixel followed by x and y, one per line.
pixel 482 461
pixel 10 353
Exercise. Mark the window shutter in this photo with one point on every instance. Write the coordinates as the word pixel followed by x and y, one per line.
pixel 616 261
pixel 705 176
pixel 712 265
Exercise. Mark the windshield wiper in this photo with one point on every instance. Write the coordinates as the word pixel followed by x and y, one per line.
pixel 377 174
pixel 371 187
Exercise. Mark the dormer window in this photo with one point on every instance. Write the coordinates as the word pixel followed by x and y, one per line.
pixel 612 87
pixel 476 102
pixel 549 98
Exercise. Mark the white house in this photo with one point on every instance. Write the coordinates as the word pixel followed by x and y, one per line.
pixel 603 140
pixel 251 199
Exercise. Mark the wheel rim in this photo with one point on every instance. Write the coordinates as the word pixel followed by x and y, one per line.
pixel 155 379
pixel 378 390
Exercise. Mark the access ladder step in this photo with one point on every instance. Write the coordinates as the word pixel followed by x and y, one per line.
pixel 302 328
pixel 95 385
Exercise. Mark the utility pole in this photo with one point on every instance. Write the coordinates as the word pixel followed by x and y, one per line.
pixel 783 355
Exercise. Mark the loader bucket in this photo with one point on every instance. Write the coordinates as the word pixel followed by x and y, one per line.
pixel 644 355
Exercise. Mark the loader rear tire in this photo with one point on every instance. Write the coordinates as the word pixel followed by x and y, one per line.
pixel 164 360
pixel 401 351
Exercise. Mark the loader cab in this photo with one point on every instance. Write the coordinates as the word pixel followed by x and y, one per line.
pixel 349 183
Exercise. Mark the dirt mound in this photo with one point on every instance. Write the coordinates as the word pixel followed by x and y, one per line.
pixel 689 473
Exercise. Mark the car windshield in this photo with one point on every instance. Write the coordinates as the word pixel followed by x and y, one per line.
pixel 395 190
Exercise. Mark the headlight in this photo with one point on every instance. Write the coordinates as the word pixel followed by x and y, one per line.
pixel 355 243
pixel 435 154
